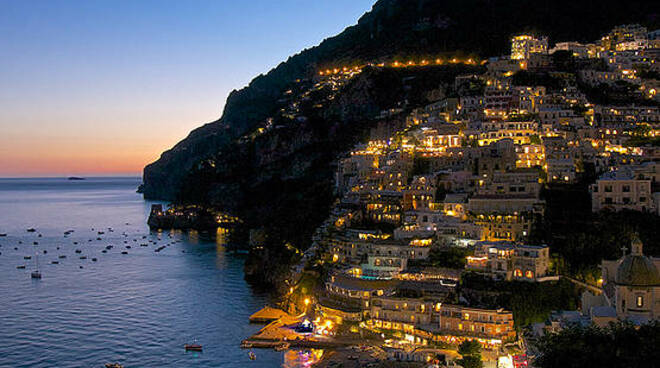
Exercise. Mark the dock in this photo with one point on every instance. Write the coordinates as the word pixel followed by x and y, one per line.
pixel 268 315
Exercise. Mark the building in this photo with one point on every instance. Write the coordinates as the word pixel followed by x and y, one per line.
pixel 637 286
pixel 508 261
pixel 576 49
pixel 631 289
pixel 427 319
pixel 525 45
pixel 622 189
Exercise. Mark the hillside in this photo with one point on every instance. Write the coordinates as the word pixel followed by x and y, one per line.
pixel 394 28
pixel 271 158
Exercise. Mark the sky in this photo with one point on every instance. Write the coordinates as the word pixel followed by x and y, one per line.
pixel 92 87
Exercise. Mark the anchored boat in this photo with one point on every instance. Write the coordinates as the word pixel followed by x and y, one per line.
pixel 192 347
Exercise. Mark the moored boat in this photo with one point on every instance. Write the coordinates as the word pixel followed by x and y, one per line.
pixel 192 347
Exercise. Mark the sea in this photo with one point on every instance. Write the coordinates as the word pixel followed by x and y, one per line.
pixel 130 304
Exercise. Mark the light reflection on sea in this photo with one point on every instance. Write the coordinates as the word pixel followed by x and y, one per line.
pixel 138 309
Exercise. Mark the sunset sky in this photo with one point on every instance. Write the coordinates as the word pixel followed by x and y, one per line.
pixel 103 87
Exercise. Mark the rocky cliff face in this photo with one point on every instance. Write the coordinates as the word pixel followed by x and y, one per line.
pixel 271 158
pixel 394 28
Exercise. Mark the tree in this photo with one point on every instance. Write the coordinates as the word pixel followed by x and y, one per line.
pixel 471 352
pixel 469 347
pixel 471 362
pixel 618 345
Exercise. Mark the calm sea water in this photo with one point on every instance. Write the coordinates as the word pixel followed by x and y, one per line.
pixel 138 309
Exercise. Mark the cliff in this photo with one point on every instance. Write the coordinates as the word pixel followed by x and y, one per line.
pixel 394 28
pixel 270 158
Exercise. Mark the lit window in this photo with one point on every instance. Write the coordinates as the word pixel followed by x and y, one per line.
pixel 640 301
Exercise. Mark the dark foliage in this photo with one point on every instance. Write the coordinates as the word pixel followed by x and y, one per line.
pixel 619 345
pixel 582 239
pixel 530 302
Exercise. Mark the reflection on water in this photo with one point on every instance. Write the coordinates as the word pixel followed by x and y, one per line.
pixel 138 308
pixel 302 358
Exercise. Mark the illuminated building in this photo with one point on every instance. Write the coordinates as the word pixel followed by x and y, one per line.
pixel 622 189
pixel 508 261
pixel 525 45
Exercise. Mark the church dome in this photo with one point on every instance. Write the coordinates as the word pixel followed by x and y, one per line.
pixel 636 269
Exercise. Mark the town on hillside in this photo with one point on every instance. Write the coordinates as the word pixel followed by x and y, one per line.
pixel 437 250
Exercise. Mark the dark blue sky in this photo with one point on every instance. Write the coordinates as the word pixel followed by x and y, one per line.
pixel 120 81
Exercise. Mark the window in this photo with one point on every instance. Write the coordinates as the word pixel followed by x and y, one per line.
pixel 640 301
pixel 608 189
pixel 626 188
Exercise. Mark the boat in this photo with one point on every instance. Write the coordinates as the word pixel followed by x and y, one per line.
pixel 55 262
pixel 31 230
pixel 246 345
pixel 3 234
pixel 21 267
pixel 27 257
pixel 252 356
pixel 283 346
pixel 62 257
pixel 192 347
pixel 113 365
pixel 78 251
pixel 36 274
pixel 124 252
pixel 83 257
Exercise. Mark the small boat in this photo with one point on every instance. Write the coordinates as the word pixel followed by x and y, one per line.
pixel 124 252
pixel 21 267
pixel 78 251
pixel 83 257
pixel 100 232
pixel 113 365
pixel 36 274
pixel 252 356
pixel 62 256
pixel 31 230
pixel 27 257
pixel 3 234
pixel 246 345
pixel 77 178
pixel 94 259
pixel 55 262
pixel 104 251
pixel 108 247
pixel 192 347
pixel 35 243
